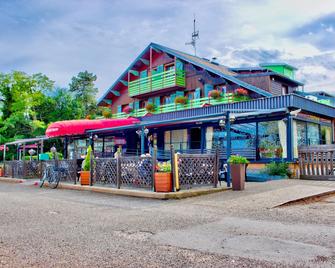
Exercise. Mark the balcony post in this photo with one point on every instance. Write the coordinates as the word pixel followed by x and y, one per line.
pixel 142 140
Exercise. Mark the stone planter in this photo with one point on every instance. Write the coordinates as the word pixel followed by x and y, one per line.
pixel 85 177
pixel 237 172
pixel 163 182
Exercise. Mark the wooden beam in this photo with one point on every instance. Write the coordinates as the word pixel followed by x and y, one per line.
pixel 156 50
pixel 134 72
pixel 125 83
pixel 146 62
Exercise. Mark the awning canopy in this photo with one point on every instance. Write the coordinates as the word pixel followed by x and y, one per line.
pixel 79 127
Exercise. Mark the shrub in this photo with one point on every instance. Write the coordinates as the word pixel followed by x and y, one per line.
pixel 241 92
pixel 181 100
pixel 278 169
pixel 150 107
pixel 128 109
pixel 51 155
pixel 164 167
pixel 87 161
pixel 215 94
pixel 237 159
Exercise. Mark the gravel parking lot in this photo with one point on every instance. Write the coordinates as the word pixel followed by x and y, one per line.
pixel 53 228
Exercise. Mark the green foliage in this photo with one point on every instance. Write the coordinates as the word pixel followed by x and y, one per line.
pixel 84 89
pixel 237 159
pixel 164 167
pixel 150 107
pixel 181 100
pixel 87 161
pixel 278 169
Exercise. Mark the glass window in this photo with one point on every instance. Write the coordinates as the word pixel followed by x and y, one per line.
pixel 177 137
pixel 299 135
pixel 313 135
pixel 326 135
pixel 272 139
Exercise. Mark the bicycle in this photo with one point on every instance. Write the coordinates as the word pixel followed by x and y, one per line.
pixel 53 175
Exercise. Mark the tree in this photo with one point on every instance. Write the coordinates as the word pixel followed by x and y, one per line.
pixel 85 91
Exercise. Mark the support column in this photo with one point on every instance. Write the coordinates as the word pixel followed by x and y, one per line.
pixel 228 146
pixel 65 153
pixel 142 140
pixel 203 139
pixel 289 134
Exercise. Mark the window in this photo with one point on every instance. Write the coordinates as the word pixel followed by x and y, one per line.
pixel 142 104
pixel 299 135
pixel 165 100
pixel 190 95
pixel 284 90
pixel 313 135
pixel 272 139
pixel 169 66
pixel 178 138
pixel 326 135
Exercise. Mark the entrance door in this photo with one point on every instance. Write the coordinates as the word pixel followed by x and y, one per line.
pixel 195 138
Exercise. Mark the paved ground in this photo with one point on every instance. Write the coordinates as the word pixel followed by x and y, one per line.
pixel 53 228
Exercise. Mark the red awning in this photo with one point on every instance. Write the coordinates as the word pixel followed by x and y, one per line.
pixel 79 127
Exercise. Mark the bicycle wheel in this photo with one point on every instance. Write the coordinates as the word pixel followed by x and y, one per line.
pixel 44 178
pixel 54 179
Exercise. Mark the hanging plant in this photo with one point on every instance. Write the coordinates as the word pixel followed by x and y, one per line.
pixel 128 110
pixel 241 91
pixel 150 107
pixel 181 100
pixel 215 94
pixel 107 113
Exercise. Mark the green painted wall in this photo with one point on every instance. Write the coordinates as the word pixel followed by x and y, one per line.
pixel 284 70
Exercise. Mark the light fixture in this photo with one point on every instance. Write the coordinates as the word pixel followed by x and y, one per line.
pixel 222 123
pixel 53 149
pixel 31 152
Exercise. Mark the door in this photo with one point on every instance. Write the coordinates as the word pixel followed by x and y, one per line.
pixel 195 138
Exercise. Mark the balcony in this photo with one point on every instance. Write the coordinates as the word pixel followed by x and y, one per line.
pixel 171 107
pixel 163 80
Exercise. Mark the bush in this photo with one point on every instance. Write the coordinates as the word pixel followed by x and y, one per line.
pixel 237 159
pixel 278 169
pixel 107 113
pixel 87 161
pixel 150 107
pixel 51 155
pixel 181 100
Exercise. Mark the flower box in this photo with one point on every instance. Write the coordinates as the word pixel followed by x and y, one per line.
pixel 163 182
pixel 85 177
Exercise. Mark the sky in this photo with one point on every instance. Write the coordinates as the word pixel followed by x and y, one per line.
pixel 61 38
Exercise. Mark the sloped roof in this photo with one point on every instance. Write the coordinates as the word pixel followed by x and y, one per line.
pixel 219 70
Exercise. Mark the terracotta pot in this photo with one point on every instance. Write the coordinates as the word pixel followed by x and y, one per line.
pixel 237 172
pixel 85 177
pixel 1 172
pixel 163 181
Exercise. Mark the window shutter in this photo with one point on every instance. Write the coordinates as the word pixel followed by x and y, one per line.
pixel 172 98
pixel 119 108
pixel 157 102
pixel 136 105
pixel 179 93
pixel 160 68
pixel 197 93
pixel 131 105
pixel 207 89
pixel 144 74
pixel 150 100
pixel 179 65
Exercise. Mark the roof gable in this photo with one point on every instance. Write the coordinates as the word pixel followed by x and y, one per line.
pixel 219 70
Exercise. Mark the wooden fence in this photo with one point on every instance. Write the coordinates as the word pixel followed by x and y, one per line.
pixel 317 162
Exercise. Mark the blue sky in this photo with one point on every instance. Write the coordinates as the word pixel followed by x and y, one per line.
pixel 61 38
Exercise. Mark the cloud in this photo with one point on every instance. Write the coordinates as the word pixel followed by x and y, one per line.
pixel 320 32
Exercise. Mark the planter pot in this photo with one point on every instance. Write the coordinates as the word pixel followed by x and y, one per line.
pixel 237 172
pixel 85 177
pixel 1 172
pixel 163 182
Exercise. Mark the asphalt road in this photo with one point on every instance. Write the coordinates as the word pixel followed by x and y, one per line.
pixel 61 228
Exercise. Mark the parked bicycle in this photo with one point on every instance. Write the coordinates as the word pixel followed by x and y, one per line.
pixel 53 174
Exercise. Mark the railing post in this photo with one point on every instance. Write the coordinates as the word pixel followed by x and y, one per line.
pixel 74 166
pixel 216 168
pixel 92 167
pixel 154 163
pixel 173 168
pixel 118 170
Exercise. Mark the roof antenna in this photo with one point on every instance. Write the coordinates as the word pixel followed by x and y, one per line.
pixel 195 37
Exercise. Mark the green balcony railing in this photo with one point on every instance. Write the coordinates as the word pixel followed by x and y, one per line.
pixel 156 82
pixel 171 107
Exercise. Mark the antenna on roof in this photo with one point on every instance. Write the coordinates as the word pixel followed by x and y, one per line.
pixel 195 37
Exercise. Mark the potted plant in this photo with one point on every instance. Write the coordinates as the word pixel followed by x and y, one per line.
pixel 241 94
pixel 150 107
pixel 128 110
pixel 106 113
pixel 215 94
pixel 85 174
pixel 163 177
pixel 180 100
pixel 237 170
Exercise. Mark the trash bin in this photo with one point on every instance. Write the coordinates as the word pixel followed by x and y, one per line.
pixel 237 172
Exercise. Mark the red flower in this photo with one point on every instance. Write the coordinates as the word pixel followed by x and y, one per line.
pixel 242 91
pixel 127 109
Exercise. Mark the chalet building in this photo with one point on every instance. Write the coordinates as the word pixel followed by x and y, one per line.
pixel 199 105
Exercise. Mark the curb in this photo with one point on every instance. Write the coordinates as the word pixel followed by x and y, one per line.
pixel 306 198
pixel 11 180
pixel 142 194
